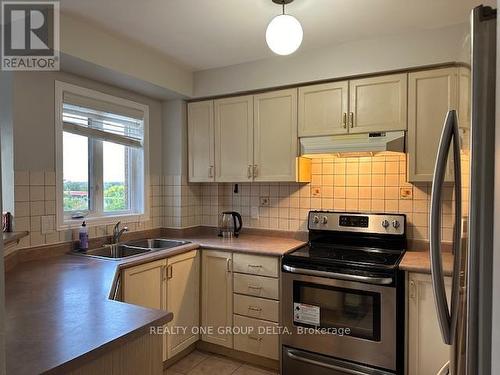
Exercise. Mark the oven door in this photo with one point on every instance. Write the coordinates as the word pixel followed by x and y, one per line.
pixel 343 319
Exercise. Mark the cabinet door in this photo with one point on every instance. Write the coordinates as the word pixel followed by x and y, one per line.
pixel 378 104
pixel 431 94
pixel 323 109
pixel 275 136
pixel 183 299
pixel 144 285
pixel 234 139
pixel 201 141
pixel 426 351
pixel 217 297
pixel 464 97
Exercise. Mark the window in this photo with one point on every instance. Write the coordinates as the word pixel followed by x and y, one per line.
pixel 101 156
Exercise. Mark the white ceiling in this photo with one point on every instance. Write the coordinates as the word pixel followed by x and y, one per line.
pixel 204 34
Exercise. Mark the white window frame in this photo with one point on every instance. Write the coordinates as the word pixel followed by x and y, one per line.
pixel 64 222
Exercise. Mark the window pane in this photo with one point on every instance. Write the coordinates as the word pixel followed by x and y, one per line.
pixel 76 172
pixel 115 177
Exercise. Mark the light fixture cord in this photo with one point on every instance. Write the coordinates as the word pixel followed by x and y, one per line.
pixel 283 7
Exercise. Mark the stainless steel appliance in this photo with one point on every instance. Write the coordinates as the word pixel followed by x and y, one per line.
pixel 230 224
pixel 343 296
pixel 466 323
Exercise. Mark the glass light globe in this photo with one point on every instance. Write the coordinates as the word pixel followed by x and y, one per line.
pixel 284 34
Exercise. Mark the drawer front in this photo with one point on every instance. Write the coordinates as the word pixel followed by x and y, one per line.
pixel 256 337
pixel 256 265
pixel 255 307
pixel 256 286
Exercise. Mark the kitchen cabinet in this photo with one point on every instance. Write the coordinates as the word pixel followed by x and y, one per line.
pixel 464 97
pixel 322 109
pixel 426 351
pixel 144 285
pixel 378 104
pixel 431 94
pixel 201 150
pixel 183 300
pixel 275 136
pixel 168 284
pixel 234 139
pixel 217 297
pixel 362 105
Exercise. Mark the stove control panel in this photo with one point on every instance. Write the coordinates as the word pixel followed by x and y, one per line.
pixel 357 222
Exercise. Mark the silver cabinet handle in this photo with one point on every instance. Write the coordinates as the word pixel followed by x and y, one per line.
pixel 447 320
pixel 351 119
pixel 340 276
pixel 170 272
pixel 255 170
pixel 293 354
pixel 228 265
pixel 344 120
pixel 211 171
pixel 255 265
pixel 259 339
pixel 254 287
pixel 253 308
pixel 249 171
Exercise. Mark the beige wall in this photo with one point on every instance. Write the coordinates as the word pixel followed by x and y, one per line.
pixel 33 117
pixel 359 57
pixel 90 43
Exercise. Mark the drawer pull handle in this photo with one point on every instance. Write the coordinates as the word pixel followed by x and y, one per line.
pixel 254 287
pixel 259 339
pixel 253 308
pixel 255 265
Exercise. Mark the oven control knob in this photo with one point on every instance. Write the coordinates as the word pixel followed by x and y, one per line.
pixel 316 219
pixel 385 224
pixel 324 220
pixel 395 224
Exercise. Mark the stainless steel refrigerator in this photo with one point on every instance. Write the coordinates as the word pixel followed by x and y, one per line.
pixel 465 323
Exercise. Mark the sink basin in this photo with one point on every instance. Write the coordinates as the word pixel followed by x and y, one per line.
pixel 116 252
pixel 155 244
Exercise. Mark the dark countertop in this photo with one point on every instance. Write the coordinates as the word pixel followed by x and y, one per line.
pixel 58 314
pixel 10 237
pixel 58 311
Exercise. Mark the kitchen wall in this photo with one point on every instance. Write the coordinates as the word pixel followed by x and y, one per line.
pixel 357 57
pixel 366 184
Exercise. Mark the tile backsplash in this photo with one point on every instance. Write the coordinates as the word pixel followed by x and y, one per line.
pixel 358 184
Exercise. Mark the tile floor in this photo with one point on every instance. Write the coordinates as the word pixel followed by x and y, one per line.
pixel 202 363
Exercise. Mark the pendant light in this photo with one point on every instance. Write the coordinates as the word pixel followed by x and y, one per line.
pixel 284 32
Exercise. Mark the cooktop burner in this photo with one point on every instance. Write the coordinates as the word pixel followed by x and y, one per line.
pixel 331 254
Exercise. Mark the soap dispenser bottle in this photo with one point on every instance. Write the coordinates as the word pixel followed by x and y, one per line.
pixel 83 235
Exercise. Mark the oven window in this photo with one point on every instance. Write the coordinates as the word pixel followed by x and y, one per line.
pixel 357 310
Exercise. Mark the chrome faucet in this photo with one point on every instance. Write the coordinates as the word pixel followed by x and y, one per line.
pixel 117 233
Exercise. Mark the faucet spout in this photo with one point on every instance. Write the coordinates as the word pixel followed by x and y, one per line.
pixel 117 232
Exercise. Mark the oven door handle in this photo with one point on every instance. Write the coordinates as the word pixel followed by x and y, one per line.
pixel 342 276
pixel 292 355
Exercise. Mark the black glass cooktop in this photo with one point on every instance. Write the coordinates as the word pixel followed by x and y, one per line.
pixel 365 257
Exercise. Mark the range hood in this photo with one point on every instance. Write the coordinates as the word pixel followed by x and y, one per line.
pixel 353 144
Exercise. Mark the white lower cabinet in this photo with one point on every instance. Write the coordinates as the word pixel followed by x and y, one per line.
pixel 217 297
pixel 169 284
pixel 426 351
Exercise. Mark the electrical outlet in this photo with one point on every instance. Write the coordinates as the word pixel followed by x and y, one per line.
pixel 316 191
pixel 405 193
pixel 264 201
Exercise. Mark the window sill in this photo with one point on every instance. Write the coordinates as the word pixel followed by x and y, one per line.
pixel 101 220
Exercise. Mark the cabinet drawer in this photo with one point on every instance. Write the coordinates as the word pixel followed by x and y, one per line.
pixel 256 265
pixel 257 337
pixel 256 286
pixel 255 307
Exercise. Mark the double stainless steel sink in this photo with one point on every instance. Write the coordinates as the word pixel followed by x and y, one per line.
pixel 132 248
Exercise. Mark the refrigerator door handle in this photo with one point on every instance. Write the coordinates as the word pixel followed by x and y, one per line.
pixel 449 133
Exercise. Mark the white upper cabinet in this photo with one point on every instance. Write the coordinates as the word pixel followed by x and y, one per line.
pixel 275 136
pixel 234 139
pixel 378 103
pixel 323 109
pixel 201 141
pixel 431 94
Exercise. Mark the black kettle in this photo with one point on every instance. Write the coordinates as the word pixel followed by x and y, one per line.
pixel 230 224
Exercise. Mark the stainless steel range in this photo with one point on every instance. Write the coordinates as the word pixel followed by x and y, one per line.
pixel 343 296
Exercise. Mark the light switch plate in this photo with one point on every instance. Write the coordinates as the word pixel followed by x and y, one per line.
pixel 405 193
pixel 254 213
pixel 264 201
